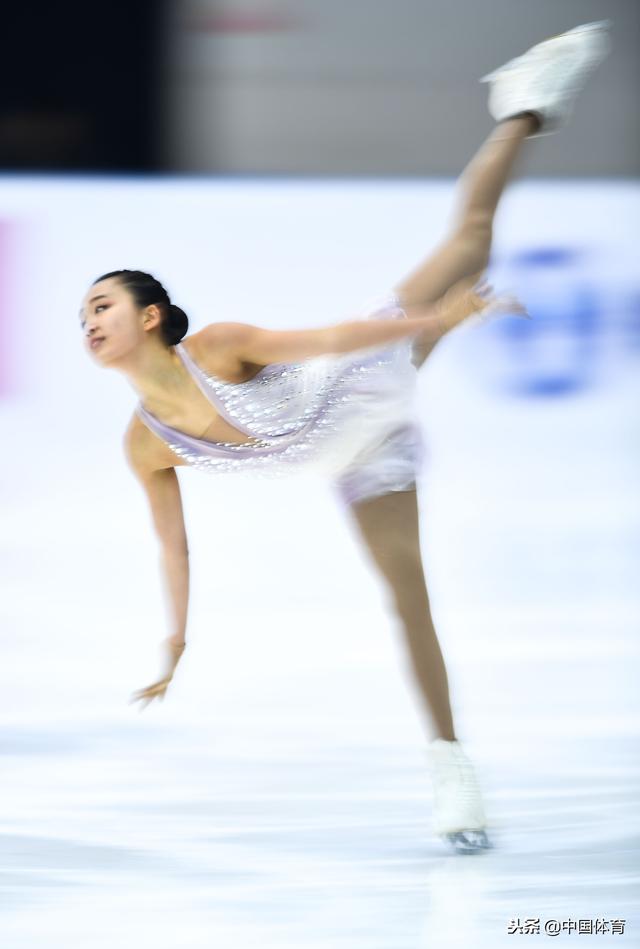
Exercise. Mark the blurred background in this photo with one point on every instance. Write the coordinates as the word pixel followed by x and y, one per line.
pixel 285 163
pixel 294 87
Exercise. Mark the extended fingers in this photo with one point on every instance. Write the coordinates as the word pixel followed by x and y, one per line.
pixel 506 305
pixel 483 288
pixel 158 690
pixel 144 700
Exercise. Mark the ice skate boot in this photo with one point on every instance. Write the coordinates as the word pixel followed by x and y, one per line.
pixel 547 78
pixel 458 812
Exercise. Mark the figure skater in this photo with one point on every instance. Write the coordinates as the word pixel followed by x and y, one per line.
pixel 237 398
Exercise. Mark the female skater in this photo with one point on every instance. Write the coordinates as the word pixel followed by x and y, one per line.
pixel 234 397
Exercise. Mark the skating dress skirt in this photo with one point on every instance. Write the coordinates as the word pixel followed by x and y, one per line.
pixel 349 417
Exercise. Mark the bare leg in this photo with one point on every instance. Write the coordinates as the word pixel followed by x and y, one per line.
pixel 466 250
pixel 389 527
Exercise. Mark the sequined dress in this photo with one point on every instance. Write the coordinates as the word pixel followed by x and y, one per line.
pixel 349 417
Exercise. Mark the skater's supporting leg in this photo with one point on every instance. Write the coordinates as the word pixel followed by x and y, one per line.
pixel 389 527
pixel 466 250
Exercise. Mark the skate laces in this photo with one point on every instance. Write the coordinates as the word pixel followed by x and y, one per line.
pixel 457 798
pixel 455 773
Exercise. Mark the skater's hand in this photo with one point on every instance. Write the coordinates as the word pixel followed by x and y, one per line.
pixel 473 300
pixel 158 689
pixel 506 304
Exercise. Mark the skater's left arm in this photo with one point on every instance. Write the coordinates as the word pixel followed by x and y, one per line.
pixel 253 344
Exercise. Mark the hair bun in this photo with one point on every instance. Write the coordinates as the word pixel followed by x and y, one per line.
pixel 147 291
pixel 175 326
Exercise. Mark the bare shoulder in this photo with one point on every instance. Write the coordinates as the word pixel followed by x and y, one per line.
pixel 217 348
pixel 144 451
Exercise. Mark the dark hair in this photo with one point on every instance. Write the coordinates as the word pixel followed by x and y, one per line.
pixel 146 290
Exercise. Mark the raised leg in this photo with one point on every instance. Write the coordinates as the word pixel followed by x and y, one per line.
pixel 389 528
pixel 466 249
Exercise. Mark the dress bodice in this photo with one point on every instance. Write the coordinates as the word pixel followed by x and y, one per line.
pixel 318 410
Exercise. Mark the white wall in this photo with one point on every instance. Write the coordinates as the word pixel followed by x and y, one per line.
pixel 382 88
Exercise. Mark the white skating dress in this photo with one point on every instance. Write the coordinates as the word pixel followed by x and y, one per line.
pixel 350 417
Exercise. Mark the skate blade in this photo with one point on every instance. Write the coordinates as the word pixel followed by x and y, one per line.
pixel 469 841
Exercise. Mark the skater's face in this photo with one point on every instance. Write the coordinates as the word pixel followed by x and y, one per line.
pixel 112 324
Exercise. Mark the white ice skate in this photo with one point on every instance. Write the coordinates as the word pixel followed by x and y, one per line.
pixel 458 812
pixel 548 77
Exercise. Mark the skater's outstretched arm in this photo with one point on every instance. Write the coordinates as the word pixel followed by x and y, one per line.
pixel 252 344
pixel 163 493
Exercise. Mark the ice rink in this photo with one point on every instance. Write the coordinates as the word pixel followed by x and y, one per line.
pixel 280 797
